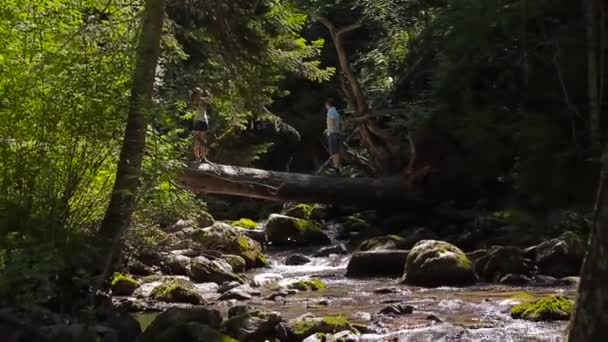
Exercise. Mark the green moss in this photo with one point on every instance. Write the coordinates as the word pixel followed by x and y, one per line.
pixel 301 211
pixel 304 225
pixel 547 308
pixel 261 260
pixel 244 243
pixel 245 223
pixel 302 327
pixel 176 291
pixel 523 295
pixel 312 284
pixel 328 325
pixel 123 285
pixel 150 278
pixel 336 321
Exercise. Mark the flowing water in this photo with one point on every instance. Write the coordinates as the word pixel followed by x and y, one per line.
pixel 476 313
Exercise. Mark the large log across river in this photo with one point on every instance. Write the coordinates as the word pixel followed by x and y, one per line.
pixel 296 187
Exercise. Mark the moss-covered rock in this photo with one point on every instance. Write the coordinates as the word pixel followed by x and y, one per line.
pixel 237 263
pixel 245 223
pixel 251 324
pixel 382 242
pixel 438 263
pixel 285 230
pixel 297 259
pixel 204 219
pixel 549 308
pixel 227 239
pixel 177 291
pixel 173 317
pixel 352 226
pixel 311 284
pixel 307 325
pixel 123 285
pixel 204 270
pixel 301 211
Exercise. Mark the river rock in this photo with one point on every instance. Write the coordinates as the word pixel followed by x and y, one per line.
pixel 177 291
pixel 237 263
pixel 438 263
pixel 548 308
pixel 284 230
pixel 377 263
pixel 562 256
pixel 343 336
pixel 235 293
pixel 251 324
pixel 174 317
pixel 385 290
pixel 123 285
pixel 307 325
pixel 382 243
pixel 543 280
pixel 224 238
pixel 175 264
pixel 350 226
pixel 228 285
pixel 301 211
pixel 397 309
pixel 308 284
pixel 515 279
pixel 136 267
pixel 327 251
pixel 297 259
pixel 501 261
pixel 218 271
pixel 569 281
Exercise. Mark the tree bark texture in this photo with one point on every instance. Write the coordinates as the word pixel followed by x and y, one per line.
pixel 590 10
pixel 293 187
pixel 590 318
pixel 124 194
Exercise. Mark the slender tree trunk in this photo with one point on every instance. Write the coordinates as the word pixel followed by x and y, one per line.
pixel 126 186
pixel 590 318
pixel 590 9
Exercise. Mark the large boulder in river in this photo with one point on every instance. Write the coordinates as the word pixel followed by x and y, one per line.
pixel 377 263
pixel 438 263
pixel 307 325
pixel 499 261
pixel 562 256
pixel 204 270
pixel 285 230
pixel 251 324
pixel 180 316
pixel 227 239
pixel 177 291
pixel 301 211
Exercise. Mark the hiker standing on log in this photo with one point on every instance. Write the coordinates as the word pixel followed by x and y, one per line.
pixel 333 134
pixel 200 103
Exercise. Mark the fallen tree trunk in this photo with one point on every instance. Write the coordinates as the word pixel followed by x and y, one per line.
pixel 294 187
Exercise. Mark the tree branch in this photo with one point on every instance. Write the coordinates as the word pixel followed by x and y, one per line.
pixel 344 30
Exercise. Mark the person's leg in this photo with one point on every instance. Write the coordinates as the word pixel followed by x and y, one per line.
pixel 334 150
pixel 335 159
pixel 203 144
pixel 196 146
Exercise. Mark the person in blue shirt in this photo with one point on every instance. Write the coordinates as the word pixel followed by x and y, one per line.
pixel 333 133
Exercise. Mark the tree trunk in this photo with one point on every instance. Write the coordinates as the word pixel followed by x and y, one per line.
pixel 590 9
pixel 288 187
pixel 126 186
pixel 591 317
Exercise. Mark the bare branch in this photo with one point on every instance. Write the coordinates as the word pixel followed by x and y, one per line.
pixel 344 30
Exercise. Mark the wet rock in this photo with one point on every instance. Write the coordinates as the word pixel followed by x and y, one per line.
pixel 284 230
pixel 173 317
pixel 543 280
pixel 297 259
pixel 192 332
pixel 377 263
pixel 179 225
pixel 363 316
pixel 549 308
pixel 438 263
pixel 311 284
pixel 383 243
pixel 149 257
pixel 350 226
pixel 217 271
pixel 324 301
pixel 224 238
pixel 235 293
pixel 562 256
pixel 501 261
pixel 265 279
pixel 123 285
pixel 278 294
pixel 137 268
pixel 433 318
pixel 237 263
pixel 385 290
pixel 327 251
pixel 177 291
pixel 204 219
pixel 515 279
pixel 301 211
pixel 569 281
pixel 397 309
pixel 346 336
pixel 228 285
pixel 307 325
pixel 176 264
pixel 244 223
pixel 251 324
